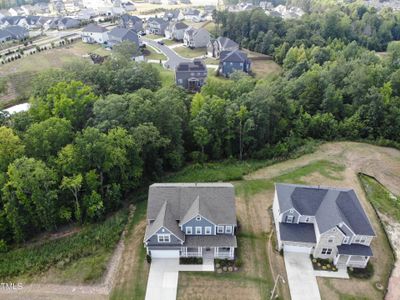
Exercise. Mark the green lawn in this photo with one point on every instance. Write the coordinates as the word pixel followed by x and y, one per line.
pixel 151 53
pixel 153 36
pixel 190 53
pixel 169 42
pixel 167 76
pixel 380 197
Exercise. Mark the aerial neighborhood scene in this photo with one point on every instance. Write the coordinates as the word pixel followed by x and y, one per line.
pixel 200 149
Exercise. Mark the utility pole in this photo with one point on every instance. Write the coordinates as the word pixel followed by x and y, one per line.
pixel 276 283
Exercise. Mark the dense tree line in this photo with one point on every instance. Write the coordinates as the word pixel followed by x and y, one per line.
pixel 274 36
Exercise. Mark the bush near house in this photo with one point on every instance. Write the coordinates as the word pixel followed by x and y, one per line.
pixel 320 264
pixel 191 261
pixel 360 273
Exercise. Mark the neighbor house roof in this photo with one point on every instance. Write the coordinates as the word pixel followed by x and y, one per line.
pixel 94 28
pixel 227 44
pixel 330 206
pixel 215 200
pixel 123 34
pixel 302 232
pixel 355 249
pixel 192 32
pixel 196 65
pixel 5 34
pixel 233 56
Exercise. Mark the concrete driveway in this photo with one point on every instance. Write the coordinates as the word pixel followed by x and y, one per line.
pixel 302 281
pixel 162 283
pixel 173 58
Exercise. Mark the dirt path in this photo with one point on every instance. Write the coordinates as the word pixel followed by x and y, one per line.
pixel 72 292
pixel 379 162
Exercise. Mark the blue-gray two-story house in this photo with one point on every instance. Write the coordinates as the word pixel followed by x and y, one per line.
pixel 191 220
pixel 231 61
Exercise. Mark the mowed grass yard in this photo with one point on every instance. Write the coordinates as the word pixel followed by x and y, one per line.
pixel 20 73
pixel 190 53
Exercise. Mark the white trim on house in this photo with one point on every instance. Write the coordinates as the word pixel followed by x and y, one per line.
pixel 187 231
pixel 165 229
pixel 163 238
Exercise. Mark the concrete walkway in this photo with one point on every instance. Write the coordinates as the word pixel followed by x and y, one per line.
pixel 162 283
pixel 302 281
pixel 341 273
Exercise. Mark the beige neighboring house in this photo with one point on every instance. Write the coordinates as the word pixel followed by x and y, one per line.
pixel 196 38
pixel 328 223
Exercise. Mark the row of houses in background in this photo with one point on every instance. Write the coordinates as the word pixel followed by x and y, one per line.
pixel 13 33
pixel 40 23
pixel 283 11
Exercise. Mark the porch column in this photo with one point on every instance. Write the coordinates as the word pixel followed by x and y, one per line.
pixel 200 252
pixel 347 263
pixel 366 262
pixel 231 251
pixel 215 251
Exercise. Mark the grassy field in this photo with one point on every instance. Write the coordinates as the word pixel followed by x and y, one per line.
pixel 264 68
pixel 81 257
pixel 167 76
pixel 151 53
pixel 169 42
pixel 383 200
pixel 190 53
pixel 19 73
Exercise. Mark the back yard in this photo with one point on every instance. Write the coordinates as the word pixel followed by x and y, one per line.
pixel 260 263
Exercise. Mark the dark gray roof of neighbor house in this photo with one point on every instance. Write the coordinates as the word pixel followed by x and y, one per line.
pixel 130 18
pixel 4 34
pixel 233 56
pixel 180 25
pixel 227 44
pixel 17 31
pixel 164 219
pixel 355 249
pixel 94 28
pixel 193 31
pixel 124 34
pixel 160 21
pixel 216 201
pixel 173 14
pixel 222 240
pixel 196 65
pixel 330 206
pixel 302 232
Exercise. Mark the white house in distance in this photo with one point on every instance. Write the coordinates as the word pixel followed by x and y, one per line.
pixel 94 33
pixel 196 38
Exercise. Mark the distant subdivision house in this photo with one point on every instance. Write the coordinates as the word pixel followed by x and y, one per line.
pixel 233 61
pixel 94 33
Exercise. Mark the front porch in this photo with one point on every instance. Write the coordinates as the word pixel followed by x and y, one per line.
pixel 353 255
pixel 353 261
pixel 208 252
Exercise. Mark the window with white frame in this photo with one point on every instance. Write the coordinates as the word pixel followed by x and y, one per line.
pixel 228 229
pixel 326 251
pixel 346 240
pixel 331 239
pixel 164 238
pixel 189 230
pixel 198 230
pixel 220 229
pixel 207 230
pixel 289 219
pixel 360 239
pixel 307 219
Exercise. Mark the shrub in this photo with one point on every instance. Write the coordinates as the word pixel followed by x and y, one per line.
pixel 191 261
pixel 148 258
pixel 362 273
pixel 3 246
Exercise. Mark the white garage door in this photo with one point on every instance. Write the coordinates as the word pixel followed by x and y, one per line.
pixel 164 253
pixel 298 249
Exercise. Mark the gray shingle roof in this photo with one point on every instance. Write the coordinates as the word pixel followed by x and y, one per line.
pixel 227 44
pixel 164 219
pixel 302 232
pixel 5 34
pixel 233 56
pixel 331 206
pixel 196 65
pixel 94 28
pixel 218 200
pixel 123 34
pixel 355 249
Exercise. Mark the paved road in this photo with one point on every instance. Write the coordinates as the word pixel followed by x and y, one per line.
pixel 302 281
pixel 173 58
